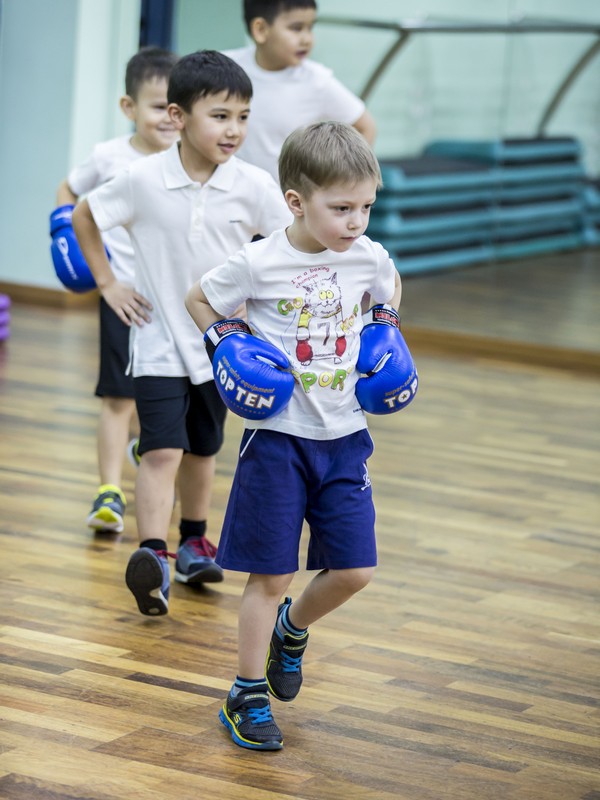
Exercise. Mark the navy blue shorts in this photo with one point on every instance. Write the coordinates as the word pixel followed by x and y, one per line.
pixel 114 355
pixel 280 481
pixel 176 413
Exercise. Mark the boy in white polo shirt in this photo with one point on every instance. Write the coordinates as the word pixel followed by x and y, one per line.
pixel 186 210
pixel 290 91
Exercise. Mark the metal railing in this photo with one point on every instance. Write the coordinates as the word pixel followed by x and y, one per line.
pixel 405 30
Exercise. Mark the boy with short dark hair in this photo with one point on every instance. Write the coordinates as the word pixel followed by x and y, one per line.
pixel 290 90
pixel 186 210
pixel 145 104
pixel 303 288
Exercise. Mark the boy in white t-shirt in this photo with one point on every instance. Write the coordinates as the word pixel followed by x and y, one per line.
pixel 290 90
pixel 145 104
pixel 186 210
pixel 303 288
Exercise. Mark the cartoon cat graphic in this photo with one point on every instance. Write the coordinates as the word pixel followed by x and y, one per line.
pixel 321 328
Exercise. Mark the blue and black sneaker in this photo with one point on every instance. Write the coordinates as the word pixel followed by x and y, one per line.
pixel 284 661
pixel 148 579
pixel 249 720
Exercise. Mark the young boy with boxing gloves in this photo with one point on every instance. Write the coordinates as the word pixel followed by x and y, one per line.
pixel 290 90
pixel 186 210
pixel 145 104
pixel 293 372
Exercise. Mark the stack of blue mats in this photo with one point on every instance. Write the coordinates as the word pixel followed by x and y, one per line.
pixel 462 202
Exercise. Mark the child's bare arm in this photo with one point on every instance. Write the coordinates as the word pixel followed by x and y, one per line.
pixel 200 309
pixel 128 305
pixel 365 124
pixel 65 195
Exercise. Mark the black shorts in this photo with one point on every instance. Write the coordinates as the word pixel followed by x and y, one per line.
pixel 114 355
pixel 175 413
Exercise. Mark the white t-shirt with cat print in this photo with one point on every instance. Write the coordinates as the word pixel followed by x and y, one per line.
pixel 309 306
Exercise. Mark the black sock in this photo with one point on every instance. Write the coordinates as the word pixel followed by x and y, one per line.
pixel 154 544
pixel 189 528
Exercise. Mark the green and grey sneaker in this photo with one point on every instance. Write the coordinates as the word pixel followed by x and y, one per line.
pixel 108 509
pixel 249 720
pixel 284 661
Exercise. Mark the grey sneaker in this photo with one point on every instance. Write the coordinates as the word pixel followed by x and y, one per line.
pixel 108 509
pixel 148 579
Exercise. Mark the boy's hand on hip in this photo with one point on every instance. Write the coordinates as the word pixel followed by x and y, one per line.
pixel 130 306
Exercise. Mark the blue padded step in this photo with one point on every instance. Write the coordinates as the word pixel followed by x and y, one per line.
pixel 411 223
pixel 537 227
pixel 591 195
pixel 433 173
pixel 436 241
pixel 591 233
pixel 401 201
pixel 425 173
pixel 539 244
pixel 444 259
pixel 565 170
pixel 506 151
pixel 526 211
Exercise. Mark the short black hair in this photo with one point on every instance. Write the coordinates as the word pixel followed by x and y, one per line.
pixel 269 9
pixel 146 64
pixel 203 73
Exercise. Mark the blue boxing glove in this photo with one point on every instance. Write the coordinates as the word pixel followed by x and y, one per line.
pixel 68 260
pixel 391 377
pixel 250 374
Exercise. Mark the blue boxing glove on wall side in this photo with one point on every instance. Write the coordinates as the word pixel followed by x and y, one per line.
pixel 69 263
pixel 391 379
pixel 250 374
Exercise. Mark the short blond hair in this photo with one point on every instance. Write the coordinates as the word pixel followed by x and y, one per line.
pixel 323 154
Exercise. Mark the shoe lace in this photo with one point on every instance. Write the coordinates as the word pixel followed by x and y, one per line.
pixel 260 715
pixel 165 554
pixel 202 547
pixel 290 663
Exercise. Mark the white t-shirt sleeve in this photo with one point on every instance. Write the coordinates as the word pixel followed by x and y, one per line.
pixel 112 203
pixel 229 285
pixel 86 176
pixel 384 280
pixel 338 102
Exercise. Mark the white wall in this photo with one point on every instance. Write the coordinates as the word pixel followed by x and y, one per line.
pixel 208 25
pixel 62 67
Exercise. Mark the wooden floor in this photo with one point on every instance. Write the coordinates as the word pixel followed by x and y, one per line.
pixel 469 668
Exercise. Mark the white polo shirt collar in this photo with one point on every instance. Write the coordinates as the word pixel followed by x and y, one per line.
pixel 176 177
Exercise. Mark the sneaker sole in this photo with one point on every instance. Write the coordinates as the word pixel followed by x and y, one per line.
pixel 105 520
pixel 144 579
pixel 212 573
pixel 239 740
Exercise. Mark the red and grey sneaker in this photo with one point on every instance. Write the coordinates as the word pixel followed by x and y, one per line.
pixel 196 562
